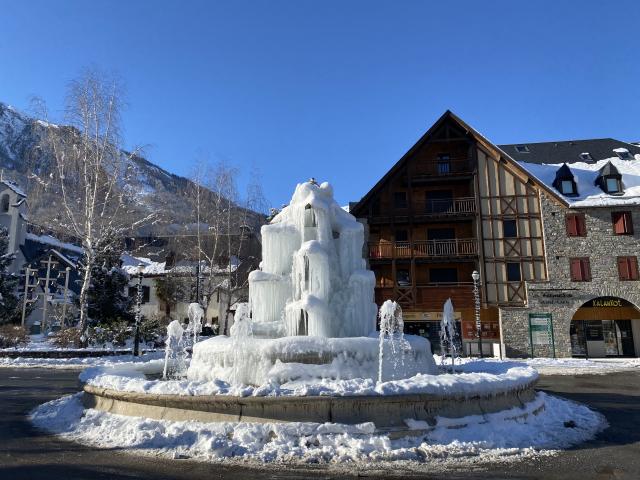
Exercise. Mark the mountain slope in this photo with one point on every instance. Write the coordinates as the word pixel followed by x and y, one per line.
pixel 153 188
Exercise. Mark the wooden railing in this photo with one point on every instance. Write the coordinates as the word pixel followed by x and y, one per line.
pixel 448 206
pixel 424 249
pixel 442 167
pixel 429 297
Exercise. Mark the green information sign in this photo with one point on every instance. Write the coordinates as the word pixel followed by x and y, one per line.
pixel 541 331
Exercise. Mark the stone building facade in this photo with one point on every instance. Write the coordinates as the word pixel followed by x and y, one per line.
pixel 562 297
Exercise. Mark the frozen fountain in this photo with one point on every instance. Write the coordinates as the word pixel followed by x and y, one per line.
pixel 311 304
pixel 305 347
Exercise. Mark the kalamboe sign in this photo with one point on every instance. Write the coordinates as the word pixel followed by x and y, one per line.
pixel 607 302
pixel 541 331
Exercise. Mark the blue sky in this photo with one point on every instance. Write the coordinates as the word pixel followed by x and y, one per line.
pixel 337 90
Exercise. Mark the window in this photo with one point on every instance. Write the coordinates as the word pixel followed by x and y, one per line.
pixel 439 201
pixel 576 225
pixel 402 236
pixel 580 269
pixel 444 164
pixel 622 223
pixel 443 275
pixel 623 153
pixel 403 278
pixel 613 185
pixel 568 187
pixel 586 156
pixel 400 199
pixel 5 202
pixel 441 233
pixel 628 268
pixel 146 292
pixel 522 149
pixel 513 272
pixel 509 228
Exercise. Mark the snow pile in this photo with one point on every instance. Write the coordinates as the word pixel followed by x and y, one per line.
pixel 510 434
pixel 585 175
pixel 130 264
pixel 581 366
pixel 342 377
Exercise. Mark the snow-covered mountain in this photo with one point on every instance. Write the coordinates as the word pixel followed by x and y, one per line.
pixel 154 188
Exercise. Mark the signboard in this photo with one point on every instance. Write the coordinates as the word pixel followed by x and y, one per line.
pixel 427 316
pixel 541 331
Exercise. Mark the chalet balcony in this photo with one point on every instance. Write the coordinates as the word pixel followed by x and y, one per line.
pixel 447 206
pixel 429 297
pixel 443 167
pixel 455 247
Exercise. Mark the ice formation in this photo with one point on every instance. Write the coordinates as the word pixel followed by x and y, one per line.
pixel 448 334
pixel 195 312
pixel 313 279
pixel 175 359
pixel 311 310
pixel 392 345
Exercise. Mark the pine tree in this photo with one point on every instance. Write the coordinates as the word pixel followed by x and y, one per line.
pixel 10 307
pixel 107 301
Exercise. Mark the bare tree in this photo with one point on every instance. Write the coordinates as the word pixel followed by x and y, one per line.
pixel 90 170
pixel 225 224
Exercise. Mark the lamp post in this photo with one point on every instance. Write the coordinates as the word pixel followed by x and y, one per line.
pixel 136 332
pixel 476 298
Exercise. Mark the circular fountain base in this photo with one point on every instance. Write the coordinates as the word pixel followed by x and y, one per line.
pixel 256 361
pixel 386 412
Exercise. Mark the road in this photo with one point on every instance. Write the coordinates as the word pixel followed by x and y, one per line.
pixel 27 453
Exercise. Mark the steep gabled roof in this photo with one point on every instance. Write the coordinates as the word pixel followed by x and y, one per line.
pixel 479 138
pixel 14 187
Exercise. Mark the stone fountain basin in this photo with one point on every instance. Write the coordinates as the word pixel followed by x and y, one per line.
pixel 384 411
pixel 487 387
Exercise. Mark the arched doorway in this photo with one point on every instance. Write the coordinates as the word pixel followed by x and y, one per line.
pixel 606 327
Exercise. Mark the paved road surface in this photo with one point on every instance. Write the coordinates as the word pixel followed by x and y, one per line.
pixel 29 454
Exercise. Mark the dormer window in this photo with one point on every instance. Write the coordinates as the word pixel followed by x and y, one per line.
pixel 586 157
pixel 623 153
pixel 522 149
pixel 610 180
pixel 565 181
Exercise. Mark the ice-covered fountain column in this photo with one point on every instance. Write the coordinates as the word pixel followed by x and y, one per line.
pixel 313 279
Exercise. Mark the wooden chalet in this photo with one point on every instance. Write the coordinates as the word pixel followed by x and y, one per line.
pixel 454 203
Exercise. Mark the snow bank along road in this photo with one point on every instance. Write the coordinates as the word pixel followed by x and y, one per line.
pixel 27 453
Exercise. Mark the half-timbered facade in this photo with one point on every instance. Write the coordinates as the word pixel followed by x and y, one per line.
pixel 454 203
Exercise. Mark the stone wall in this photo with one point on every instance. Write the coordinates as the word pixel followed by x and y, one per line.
pixel 560 296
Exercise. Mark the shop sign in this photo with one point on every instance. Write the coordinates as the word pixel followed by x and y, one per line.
pixel 541 331
pixel 607 302
pixel 427 316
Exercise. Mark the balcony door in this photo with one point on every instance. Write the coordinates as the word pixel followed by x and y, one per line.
pixel 439 201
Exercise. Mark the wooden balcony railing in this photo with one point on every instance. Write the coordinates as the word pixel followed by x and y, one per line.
pixel 428 297
pixel 448 206
pixel 455 247
pixel 444 167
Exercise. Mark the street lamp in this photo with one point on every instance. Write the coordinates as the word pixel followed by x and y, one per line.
pixel 476 298
pixel 136 332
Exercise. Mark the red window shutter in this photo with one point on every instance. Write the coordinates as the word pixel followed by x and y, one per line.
pixel 633 268
pixel 572 229
pixel 575 269
pixel 628 222
pixel 623 268
pixel 586 269
pixel 581 225
pixel 618 223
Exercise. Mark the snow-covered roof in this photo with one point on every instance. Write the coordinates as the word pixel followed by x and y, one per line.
pixel 14 186
pixel 585 174
pixel 54 242
pixel 130 265
pixel 150 267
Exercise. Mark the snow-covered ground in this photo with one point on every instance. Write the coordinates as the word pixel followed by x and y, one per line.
pixel 562 366
pixel 474 439
pixel 77 362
